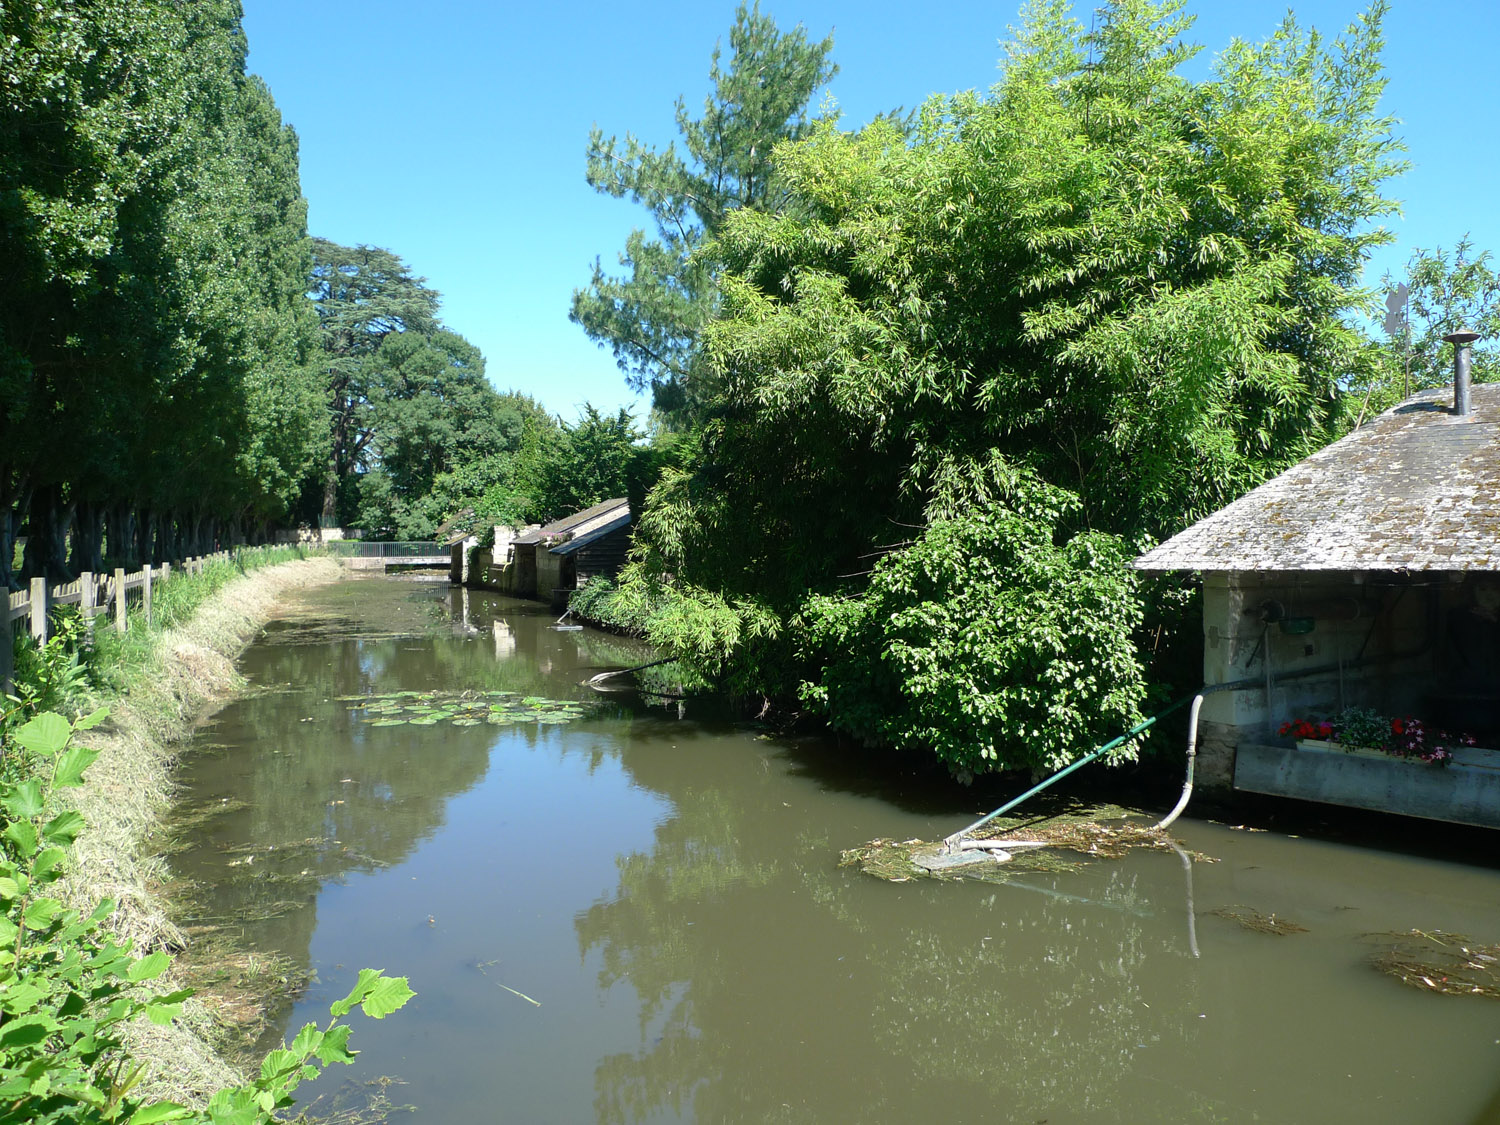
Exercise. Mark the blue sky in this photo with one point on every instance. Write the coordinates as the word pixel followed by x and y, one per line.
pixel 453 133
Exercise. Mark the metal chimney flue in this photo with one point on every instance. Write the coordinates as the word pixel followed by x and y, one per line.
pixel 1463 358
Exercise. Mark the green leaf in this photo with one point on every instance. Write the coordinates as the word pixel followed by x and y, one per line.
pixel 25 799
pixel 21 833
pixel 18 999
pixel 307 1041
pixel 159 1111
pixel 71 765
pixel 9 888
pixel 47 862
pixel 40 913
pixel 234 1107
pixel 335 1046
pixel 26 1031
pixel 149 967
pixel 278 1064
pixel 388 995
pixel 45 735
pixel 88 722
pixel 361 989
pixel 63 828
pixel 162 1014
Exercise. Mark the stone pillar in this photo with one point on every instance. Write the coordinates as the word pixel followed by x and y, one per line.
pixel 505 538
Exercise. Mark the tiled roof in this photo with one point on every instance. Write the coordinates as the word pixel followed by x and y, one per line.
pixel 579 542
pixel 1416 488
pixel 567 525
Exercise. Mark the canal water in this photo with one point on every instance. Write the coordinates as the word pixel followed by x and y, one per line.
pixel 638 915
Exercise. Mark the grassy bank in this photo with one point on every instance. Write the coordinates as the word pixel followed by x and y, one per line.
pixel 156 681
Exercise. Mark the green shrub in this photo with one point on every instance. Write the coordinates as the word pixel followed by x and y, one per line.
pixel 984 642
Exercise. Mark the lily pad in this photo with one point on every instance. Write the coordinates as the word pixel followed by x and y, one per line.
pixel 462 708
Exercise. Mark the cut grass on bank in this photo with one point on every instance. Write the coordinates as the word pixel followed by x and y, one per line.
pixel 156 680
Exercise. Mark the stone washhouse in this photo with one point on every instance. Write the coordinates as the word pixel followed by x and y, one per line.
pixel 549 562
pixel 1367 576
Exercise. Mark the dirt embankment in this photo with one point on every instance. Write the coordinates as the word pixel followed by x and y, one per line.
pixel 129 788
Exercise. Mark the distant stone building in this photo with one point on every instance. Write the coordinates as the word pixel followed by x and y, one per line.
pixel 1368 575
pixel 550 562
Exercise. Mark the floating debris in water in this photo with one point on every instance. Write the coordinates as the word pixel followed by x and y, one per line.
pixel 1257 921
pixel 461 708
pixel 1004 847
pixel 1437 961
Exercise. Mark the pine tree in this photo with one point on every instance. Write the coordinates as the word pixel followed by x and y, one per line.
pixel 651 317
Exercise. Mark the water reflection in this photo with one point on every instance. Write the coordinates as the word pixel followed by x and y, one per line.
pixel 726 932
pixel 668 893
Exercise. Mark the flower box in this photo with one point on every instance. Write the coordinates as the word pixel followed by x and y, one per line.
pixel 1466 791
pixel 1340 748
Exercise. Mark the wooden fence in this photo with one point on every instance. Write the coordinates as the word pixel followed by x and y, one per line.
pixel 94 594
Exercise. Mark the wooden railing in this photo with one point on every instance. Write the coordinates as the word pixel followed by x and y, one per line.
pixel 94 594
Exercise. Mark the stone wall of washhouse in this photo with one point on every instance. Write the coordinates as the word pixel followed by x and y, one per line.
pixel 1313 644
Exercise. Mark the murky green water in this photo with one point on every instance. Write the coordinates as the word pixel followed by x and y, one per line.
pixel 665 890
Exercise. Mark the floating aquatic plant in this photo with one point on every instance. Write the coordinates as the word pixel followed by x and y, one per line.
pixel 461 708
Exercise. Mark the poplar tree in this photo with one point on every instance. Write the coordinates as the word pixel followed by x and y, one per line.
pixel 652 315
pixel 154 327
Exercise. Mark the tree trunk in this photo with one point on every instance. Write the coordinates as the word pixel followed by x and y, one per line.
pixel 150 525
pixel 87 554
pixel 47 523
pixel 121 538
pixel 10 520
pixel 15 495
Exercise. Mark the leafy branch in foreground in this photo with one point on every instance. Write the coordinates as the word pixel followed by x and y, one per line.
pixel 68 988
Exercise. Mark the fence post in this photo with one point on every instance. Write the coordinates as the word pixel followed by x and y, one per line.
pixel 39 610
pixel 120 623
pixel 146 592
pixel 86 590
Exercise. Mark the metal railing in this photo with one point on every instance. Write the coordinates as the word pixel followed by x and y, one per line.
pixel 393 549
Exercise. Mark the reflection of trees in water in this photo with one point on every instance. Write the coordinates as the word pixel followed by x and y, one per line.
pixel 765 982
pixel 315 793
pixel 1060 1024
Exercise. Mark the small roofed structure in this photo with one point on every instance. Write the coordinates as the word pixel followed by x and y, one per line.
pixel 551 561
pixel 1414 490
pixel 1366 576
